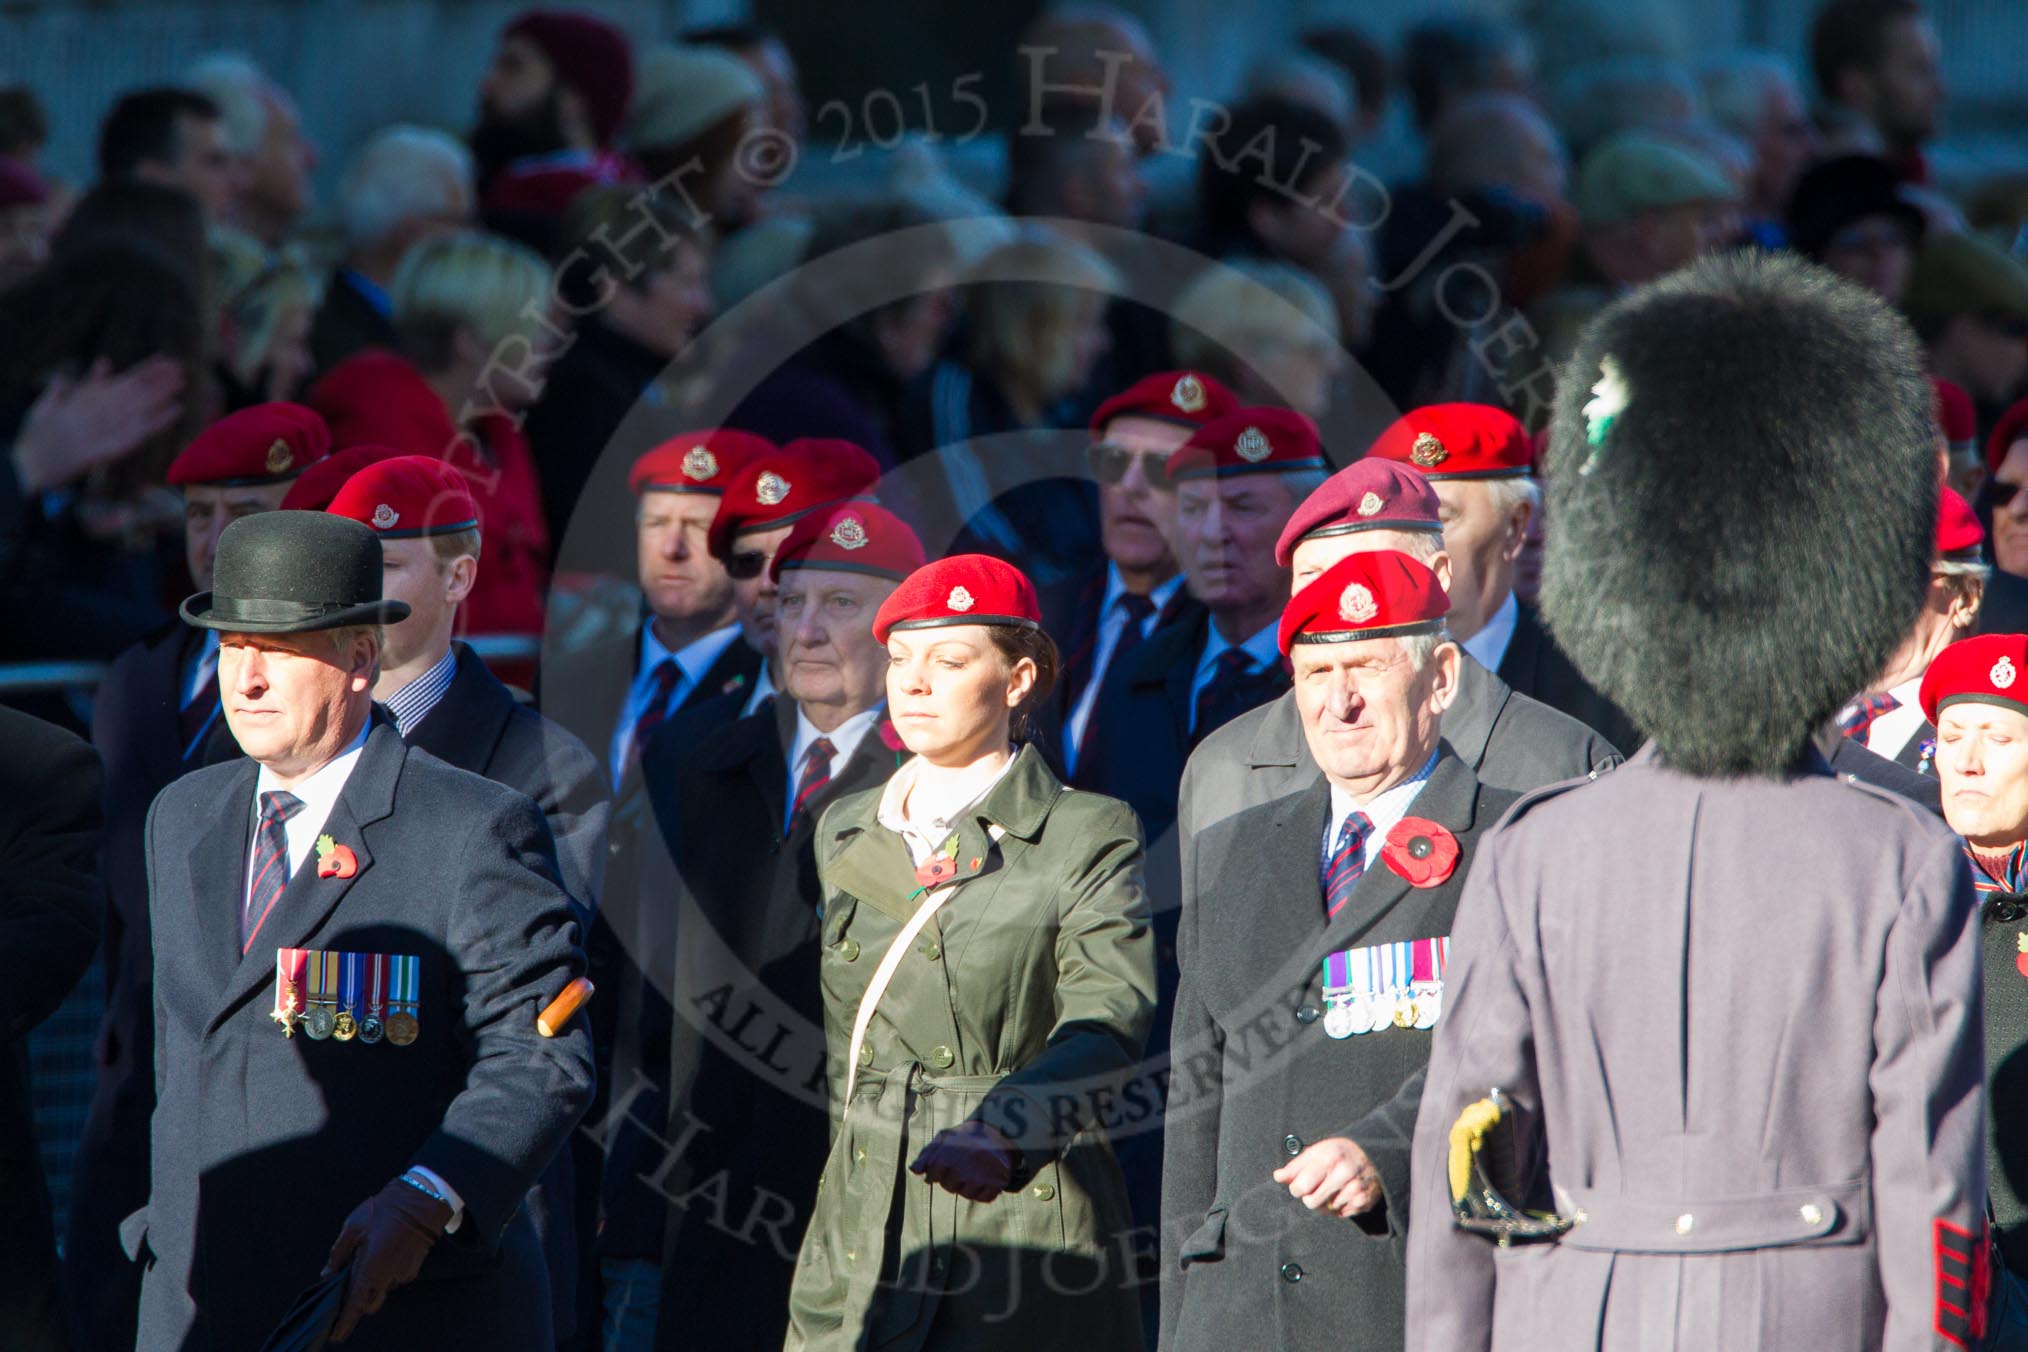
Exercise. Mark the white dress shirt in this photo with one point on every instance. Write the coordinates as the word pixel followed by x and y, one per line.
pixel 1891 732
pixel 693 660
pixel 1384 812
pixel 1112 625
pixel 1264 647
pixel 1489 645
pixel 925 835
pixel 845 739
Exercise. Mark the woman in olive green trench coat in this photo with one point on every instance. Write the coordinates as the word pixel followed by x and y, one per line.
pixel 970 1198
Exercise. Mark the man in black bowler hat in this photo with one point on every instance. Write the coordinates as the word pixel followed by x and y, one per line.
pixel 353 941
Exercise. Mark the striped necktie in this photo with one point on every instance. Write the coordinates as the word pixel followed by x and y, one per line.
pixel 1857 719
pixel 816 774
pixel 1347 863
pixel 270 863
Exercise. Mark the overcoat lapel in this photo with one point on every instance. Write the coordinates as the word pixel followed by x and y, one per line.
pixel 1448 799
pixel 218 863
pixel 308 900
pixel 1281 912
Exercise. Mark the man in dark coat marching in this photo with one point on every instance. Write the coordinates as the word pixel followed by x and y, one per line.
pixel 353 944
pixel 1716 1015
pixel 1313 951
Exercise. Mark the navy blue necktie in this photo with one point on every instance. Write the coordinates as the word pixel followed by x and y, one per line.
pixel 270 862
pixel 1347 864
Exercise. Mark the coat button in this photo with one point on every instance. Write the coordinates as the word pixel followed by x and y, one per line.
pixel 848 949
pixel 1043 1192
pixel 865 1053
pixel 1685 1223
pixel 933 950
pixel 1420 848
pixel 859 1155
pixel 1293 1144
pixel 1292 1272
pixel 941 1057
pixel 1307 1014
pixel 1811 1213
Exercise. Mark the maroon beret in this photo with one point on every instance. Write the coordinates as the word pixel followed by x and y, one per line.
pixel 1247 441
pixel 408 496
pixel 264 444
pixel 780 488
pixel 316 486
pixel 1187 397
pixel 696 462
pixel 1381 593
pixel 1365 495
pixel 852 537
pixel 590 55
pixel 962 589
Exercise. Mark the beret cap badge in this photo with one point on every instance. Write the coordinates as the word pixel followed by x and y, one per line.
pixel 699 463
pixel 1188 396
pixel 960 599
pixel 2003 674
pixel 771 489
pixel 280 457
pixel 1356 604
pixel 1252 446
pixel 849 533
pixel 1370 505
pixel 384 517
pixel 1428 452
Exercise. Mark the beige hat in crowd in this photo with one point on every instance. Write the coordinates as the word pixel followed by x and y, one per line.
pixel 681 91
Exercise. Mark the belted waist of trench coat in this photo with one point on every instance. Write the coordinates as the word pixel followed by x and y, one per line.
pixel 1837 1213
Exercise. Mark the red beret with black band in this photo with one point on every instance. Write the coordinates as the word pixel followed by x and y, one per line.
pixel 962 589
pixel 781 488
pixel 1458 441
pixel 1983 670
pixel 696 462
pixel 1382 593
pixel 1187 398
pixel 263 444
pixel 1365 495
pixel 407 497
pixel 1247 441
pixel 1958 533
pixel 853 537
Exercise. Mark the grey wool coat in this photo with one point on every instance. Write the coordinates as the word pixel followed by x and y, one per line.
pixel 1739 1022
pixel 1256 1078
pixel 1023 1003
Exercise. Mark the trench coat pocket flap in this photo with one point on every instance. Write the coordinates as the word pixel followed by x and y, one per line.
pixel 134 1234
pixel 1840 1213
pixel 1205 1244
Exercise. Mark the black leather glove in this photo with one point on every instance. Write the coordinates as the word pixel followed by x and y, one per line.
pixel 384 1240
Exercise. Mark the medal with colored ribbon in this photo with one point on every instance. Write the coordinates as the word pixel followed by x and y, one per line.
pixel 1348 992
pixel 323 1014
pixel 1429 958
pixel 346 1026
pixel 402 1026
pixel 289 988
pixel 1394 985
pixel 371 1028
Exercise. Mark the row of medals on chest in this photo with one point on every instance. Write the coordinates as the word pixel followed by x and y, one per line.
pixel 332 1010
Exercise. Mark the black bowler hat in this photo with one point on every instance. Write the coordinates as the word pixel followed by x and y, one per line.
pixel 293 573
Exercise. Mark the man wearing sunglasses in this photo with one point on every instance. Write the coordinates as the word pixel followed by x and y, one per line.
pixel 1142 589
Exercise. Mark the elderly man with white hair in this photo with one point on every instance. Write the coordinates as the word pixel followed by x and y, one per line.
pixel 404 185
pixel 265 136
pixel 1754 96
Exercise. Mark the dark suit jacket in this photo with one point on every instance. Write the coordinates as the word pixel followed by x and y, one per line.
pixel 1071 615
pixel 346 323
pixel 49 912
pixel 1534 665
pixel 1264 1079
pixel 2005 607
pixel 748 900
pixel 1861 765
pixel 135 726
pixel 263 1143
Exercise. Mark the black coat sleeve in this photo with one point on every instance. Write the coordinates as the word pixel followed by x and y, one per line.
pixel 50 890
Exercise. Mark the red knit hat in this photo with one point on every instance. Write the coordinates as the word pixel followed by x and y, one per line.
pixel 1955 416
pixel 962 589
pixel 1458 441
pixel 1958 533
pixel 264 444
pixel 1247 441
pixel 590 55
pixel 1365 495
pixel 2012 427
pixel 1984 670
pixel 316 486
pixel 853 537
pixel 1190 398
pixel 696 462
pixel 776 489
pixel 408 496
pixel 1382 593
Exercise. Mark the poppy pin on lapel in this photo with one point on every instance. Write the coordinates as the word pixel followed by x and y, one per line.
pixel 1420 851
pixel 2021 955
pixel 335 860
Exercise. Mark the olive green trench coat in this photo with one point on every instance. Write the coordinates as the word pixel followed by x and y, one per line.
pixel 1024 1002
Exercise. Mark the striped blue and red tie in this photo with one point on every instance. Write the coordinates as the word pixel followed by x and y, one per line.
pixel 1857 719
pixel 816 774
pixel 270 863
pixel 1347 864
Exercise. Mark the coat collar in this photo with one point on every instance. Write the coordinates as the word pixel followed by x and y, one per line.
pixel 308 900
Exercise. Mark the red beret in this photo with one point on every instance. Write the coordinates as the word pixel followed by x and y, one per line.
pixel 408 496
pixel 1381 593
pixel 1458 441
pixel 264 444
pixel 1958 533
pixel 962 589
pixel 781 487
pixel 1955 416
pixel 1365 495
pixel 1986 670
pixel 2012 427
pixel 591 56
pixel 1247 441
pixel 696 462
pixel 1187 397
pixel 854 537
pixel 316 486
